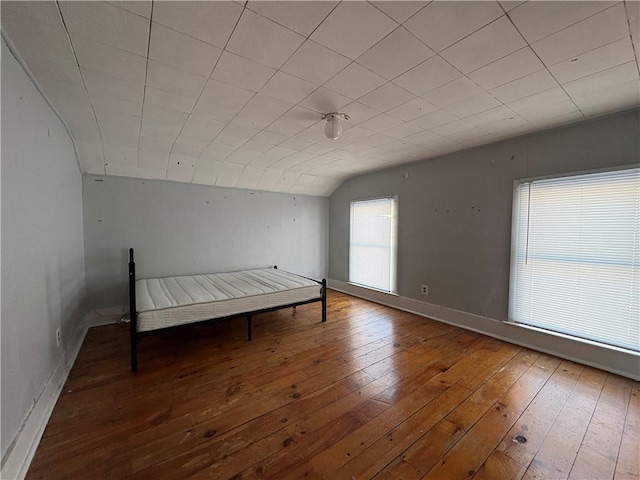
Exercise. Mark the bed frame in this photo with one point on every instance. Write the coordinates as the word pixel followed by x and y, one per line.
pixel 135 336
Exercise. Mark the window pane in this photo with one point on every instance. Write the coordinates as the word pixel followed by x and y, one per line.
pixel 576 268
pixel 372 243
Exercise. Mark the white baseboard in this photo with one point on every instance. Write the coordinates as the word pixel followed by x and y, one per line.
pixel 18 459
pixel 615 361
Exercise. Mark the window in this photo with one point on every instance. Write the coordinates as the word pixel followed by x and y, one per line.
pixel 575 256
pixel 372 243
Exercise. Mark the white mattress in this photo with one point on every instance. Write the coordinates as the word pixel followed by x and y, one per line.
pixel 170 301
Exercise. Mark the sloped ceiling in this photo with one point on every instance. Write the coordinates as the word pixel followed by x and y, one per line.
pixel 232 93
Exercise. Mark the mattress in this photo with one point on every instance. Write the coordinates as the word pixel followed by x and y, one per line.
pixel 169 301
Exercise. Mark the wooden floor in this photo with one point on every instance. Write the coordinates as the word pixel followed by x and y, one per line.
pixel 373 393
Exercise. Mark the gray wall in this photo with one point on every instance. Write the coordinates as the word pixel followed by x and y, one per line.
pixel 42 246
pixel 454 224
pixel 187 229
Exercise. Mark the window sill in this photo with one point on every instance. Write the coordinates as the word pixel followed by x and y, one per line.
pixel 571 337
pixel 372 289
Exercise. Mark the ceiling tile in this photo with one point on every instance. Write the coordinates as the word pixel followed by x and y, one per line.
pixel 525 86
pixel 301 116
pixel 315 63
pixel 100 84
pixel 509 5
pixel 422 138
pixel 473 105
pixel 242 156
pixel 536 102
pixel 181 51
pixel 203 120
pixel 174 80
pixel 453 92
pixel 606 79
pixel 216 94
pixel 170 100
pixel 624 96
pixel 250 177
pixel 403 130
pixel 354 81
pixel 158 129
pixel 287 87
pixel 488 44
pixel 543 114
pixel 181 168
pixel 602 58
pixel 412 109
pixel 236 135
pixel 493 115
pixel 199 135
pixel 262 40
pixel 381 123
pixel 217 151
pixel 139 7
pixel 352 28
pixel 269 138
pixel 300 16
pixel 596 31
pixel 164 115
pixel 148 158
pixel 509 68
pixel 283 127
pixel 269 179
pixel 386 97
pixel 536 20
pixel 121 169
pixel 206 172
pixel 107 24
pixel 395 54
pixel 120 154
pixel 400 10
pixel 189 148
pixel 211 22
pixel 112 61
pixel 324 100
pixel 441 24
pixel 152 173
pixel 434 119
pixel 229 175
pixel 242 73
pixel 359 113
pixel 427 76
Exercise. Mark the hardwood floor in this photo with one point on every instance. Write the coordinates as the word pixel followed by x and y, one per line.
pixel 373 393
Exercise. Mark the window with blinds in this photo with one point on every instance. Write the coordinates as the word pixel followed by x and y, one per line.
pixel 372 243
pixel 576 254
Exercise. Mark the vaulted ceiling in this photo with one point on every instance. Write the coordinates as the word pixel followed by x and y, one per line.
pixel 232 93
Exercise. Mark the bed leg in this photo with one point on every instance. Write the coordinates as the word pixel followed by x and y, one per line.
pixel 249 327
pixel 133 323
pixel 324 299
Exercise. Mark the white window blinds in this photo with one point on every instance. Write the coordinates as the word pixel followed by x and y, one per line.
pixel 372 243
pixel 576 254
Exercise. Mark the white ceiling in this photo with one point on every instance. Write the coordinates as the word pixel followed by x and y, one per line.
pixel 232 93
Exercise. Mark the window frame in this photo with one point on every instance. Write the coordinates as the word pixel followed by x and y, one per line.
pixel 393 250
pixel 514 249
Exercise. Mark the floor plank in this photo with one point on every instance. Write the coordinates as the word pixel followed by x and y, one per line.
pixel 372 393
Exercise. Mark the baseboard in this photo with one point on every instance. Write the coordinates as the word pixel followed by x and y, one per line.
pixel 18 459
pixel 615 361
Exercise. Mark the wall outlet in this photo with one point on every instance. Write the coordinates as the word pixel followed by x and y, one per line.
pixel 58 337
pixel 425 289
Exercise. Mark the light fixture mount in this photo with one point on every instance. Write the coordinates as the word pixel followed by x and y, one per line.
pixel 333 128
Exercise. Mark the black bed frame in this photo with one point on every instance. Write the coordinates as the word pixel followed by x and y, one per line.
pixel 133 326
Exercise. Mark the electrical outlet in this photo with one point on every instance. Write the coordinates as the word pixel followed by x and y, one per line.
pixel 425 289
pixel 58 337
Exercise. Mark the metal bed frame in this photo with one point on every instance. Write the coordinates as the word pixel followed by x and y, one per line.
pixel 135 336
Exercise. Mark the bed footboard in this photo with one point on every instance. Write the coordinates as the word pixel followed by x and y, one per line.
pixel 133 313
